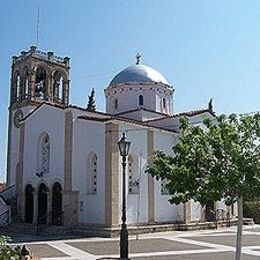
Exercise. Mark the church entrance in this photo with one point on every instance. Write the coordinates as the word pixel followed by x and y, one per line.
pixel 210 211
pixel 42 204
pixel 56 204
pixel 29 203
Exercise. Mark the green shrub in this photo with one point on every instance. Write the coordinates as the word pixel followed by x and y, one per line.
pixel 6 251
pixel 252 210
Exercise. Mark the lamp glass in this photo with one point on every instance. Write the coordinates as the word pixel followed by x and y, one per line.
pixel 123 146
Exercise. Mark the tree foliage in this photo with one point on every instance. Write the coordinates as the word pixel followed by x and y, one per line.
pixel 91 101
pixel 6 251
pixel 219 159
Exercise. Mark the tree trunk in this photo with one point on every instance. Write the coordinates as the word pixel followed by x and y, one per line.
pixel 239 228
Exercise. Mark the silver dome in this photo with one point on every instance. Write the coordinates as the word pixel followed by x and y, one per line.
pixel 138 73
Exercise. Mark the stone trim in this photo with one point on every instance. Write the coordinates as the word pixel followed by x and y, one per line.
pixel 151 199
pixel 68 151
pixel 9 145
pixel 187 212
pixel 111 175
pixel 19 174
pixel 70 198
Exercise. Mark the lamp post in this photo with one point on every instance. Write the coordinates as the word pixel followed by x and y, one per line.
pixel 123 146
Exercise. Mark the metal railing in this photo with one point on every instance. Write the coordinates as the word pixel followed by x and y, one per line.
pixel 220 215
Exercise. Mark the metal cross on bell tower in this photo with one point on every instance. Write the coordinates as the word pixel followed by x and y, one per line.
pixel 138 58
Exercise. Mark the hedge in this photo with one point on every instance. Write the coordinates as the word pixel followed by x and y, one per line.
pixel 252 210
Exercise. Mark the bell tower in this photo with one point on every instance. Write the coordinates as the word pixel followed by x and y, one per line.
pixel 39 77
pixel 36 77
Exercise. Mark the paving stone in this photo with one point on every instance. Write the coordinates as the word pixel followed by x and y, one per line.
pixel 212 256
pixel 44 250
pixel 135 246
pixel 248 240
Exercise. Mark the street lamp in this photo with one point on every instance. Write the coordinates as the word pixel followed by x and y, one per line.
pixel 123 146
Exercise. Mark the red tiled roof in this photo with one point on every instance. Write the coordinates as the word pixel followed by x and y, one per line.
pixel 188 114
pixel 128 120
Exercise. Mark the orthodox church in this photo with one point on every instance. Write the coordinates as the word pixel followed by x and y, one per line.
pixel 63 160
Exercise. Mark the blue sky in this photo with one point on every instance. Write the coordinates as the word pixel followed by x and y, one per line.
pixel 204 48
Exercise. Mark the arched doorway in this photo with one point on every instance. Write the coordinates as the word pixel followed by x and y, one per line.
pixel 29 203
pixel 56 204
pixel 42 204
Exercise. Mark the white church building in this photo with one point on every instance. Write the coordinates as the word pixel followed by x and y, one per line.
pixel 64 162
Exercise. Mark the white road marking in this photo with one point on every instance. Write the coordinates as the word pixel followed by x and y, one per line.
pixel 72 251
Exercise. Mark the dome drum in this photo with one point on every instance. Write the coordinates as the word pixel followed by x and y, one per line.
pixel 151 86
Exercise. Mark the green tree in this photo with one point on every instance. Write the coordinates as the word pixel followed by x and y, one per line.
pixel 219 160
pixel 91 101
pixel 6 251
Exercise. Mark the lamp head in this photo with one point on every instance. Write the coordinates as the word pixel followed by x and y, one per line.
pixel 123 146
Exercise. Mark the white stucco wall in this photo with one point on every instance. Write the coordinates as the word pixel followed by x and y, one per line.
pixel 48 120
pixel 142 115
pixel 196 211
pixel 138 138
pixel 164 211
pixel 15 144
pixel 89 137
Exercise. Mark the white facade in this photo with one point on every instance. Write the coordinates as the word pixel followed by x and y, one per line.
pixel 66 166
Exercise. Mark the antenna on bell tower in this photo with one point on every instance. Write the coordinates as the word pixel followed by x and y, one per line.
pixel 38 24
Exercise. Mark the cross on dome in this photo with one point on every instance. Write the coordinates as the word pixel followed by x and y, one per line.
pixel 138 58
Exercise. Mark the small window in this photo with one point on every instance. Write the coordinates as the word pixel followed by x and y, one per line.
pixel 164 103
pixel 93 174
pixel 133 179
pixel 141 100
pixel 44 154
pixel 116 103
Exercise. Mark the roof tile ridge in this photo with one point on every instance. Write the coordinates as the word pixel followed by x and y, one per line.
pixel 84 109
pixel 195 112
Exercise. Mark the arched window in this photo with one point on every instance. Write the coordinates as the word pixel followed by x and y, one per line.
pixel 17 85
pixel 26 82
pixel 164 103
pixel 93 174
pixel 41 83
pixel 44 155
pixel 116 103
pixel 141 100
pixel 58 86
pixel 133 180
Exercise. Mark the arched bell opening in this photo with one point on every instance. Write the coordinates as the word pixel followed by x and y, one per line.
pixel 29 198
pixel 41 83
pixel 42 204
pixel 59 87
pixel 57 204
